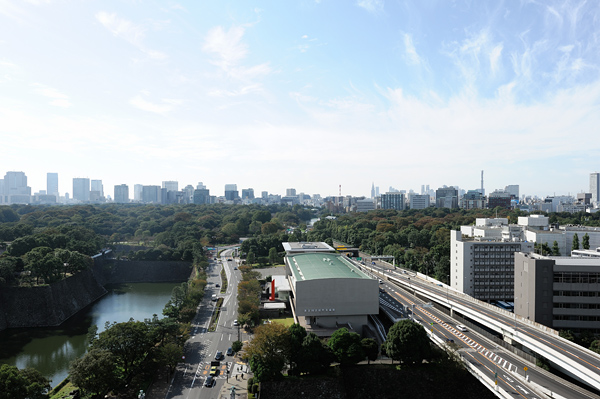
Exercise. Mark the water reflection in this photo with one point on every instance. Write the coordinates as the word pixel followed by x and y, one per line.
pixel 50 350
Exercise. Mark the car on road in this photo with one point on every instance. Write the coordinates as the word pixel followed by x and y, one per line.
pixel 217 285
pixel 449 340
pixel 210 380
pixel 213 370
pixel 235 323
pixel 229 351
pixel 380 281
pixel 235 268
pixel 219 355
pixel 462 328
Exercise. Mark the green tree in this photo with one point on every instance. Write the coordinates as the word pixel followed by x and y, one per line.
pixel 567 334
pixel 20 384
pixel 297 335
pixel 268 351
pixel 586 241
pixel 555 249
pixel 237 346
pixel 169 355
pixel 575 242
pixel 370 348
pixel 595 346
pixel 316 357
pixel 407 341
pixel 346 346
pixel 95 372
pixel 128 342
pixel 273 256
pixel 250 258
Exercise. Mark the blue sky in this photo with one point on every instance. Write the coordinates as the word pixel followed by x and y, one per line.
pixel 304 94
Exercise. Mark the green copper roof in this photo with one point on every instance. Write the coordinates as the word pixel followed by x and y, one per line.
pixel 314 266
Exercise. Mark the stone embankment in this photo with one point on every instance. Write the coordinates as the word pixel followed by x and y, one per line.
pixel 53 304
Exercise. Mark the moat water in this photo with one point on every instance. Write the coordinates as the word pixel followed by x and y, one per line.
pixel 51 350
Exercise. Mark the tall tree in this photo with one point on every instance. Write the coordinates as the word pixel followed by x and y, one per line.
pixel 575 242
pixel 585 242
pixel 555 249
pixel 95 372
pixel 273 256
pixel 297 335
pixel 269 350
pixel 346 346
pixel 407 341
pixel 21 384
pixel 371 348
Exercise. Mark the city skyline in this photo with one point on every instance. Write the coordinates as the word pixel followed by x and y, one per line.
pixel 310 95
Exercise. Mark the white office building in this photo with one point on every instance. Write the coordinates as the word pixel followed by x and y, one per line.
pixel 482 259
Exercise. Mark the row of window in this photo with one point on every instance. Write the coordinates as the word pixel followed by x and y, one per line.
pixel 561 305
pixel 577 293
pixel 576 278
pixel 502 248
pixel 576 318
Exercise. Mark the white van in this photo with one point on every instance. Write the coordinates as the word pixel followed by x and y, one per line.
pixel 214 297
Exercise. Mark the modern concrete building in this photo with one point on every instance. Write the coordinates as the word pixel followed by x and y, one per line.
pixel 595 187
pixel 419 201
pixel 473 199
pixel 560 292
pixel 329 291
pixel 81 189
pixel 121 194
pixel 170 185
pixel 446 197
pixel 15 189
pixel 151 194
pixel 231 193
pixel 499 198
pixel 201 196
pixel 392 201
pixel 137 192
pixel 365 205
pixel 292 248
pixel 482 259
pixel 248 193
pixel 52 185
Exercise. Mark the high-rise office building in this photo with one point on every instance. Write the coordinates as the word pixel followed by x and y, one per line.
pixel 446 197
pixel 81 189
pixel 372 190
pixel 137 192
pixel 248 193
pixel 122 194
pixel 290 192
pixel 201 196
pixel 595 186
pixel 97 187
pixel 52 184
pixel 231 193
pixel 392 201
pixel 16 190
pixel 151 194
pixel 170 185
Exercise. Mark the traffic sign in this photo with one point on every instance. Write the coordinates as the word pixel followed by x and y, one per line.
pixel 525 368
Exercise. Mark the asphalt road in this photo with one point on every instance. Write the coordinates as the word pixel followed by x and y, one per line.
pixel 189 379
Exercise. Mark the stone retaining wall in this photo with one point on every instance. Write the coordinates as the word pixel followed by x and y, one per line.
pixel 53 304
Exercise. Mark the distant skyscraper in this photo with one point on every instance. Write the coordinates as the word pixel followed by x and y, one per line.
pixel 595 186
pixel 231 192
pixel 264 194
pixel 122 194
pixel 513 189
pixel 201 196
pixel 52 184
pixel 392 201
pixel 81 189
pixel 96 185
pixel 200 186
pixel 137 192
pixel 16 190
pixel 151 194
pixel 372 190
pixel 170 185
pixel 290 192
pixel 248 193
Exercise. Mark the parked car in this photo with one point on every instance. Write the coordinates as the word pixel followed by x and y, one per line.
pixel 219 355
pixel 229 351
pixel 210 380
pixel 462 328
pixel 235 323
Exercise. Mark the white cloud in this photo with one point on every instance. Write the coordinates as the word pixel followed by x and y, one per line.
pixel 226 46
pixel 130 32
pixel 410 51
pixel 371 5
pixel 58 98
pixel 162 108
pixel 495 55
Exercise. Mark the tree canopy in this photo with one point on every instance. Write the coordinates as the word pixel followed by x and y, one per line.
pixel 407 341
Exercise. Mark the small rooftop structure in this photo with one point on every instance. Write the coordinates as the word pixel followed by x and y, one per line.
pixel 317 266
pixel 304 247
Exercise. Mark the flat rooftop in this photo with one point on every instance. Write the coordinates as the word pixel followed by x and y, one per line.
pixel 300 247
pixel 316 266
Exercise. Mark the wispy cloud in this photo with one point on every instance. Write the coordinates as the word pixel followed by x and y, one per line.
pixel 164 107
pixel 372 6
pixel 411 53
pixel 129 31
pixel 228 52
pixel 58 98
